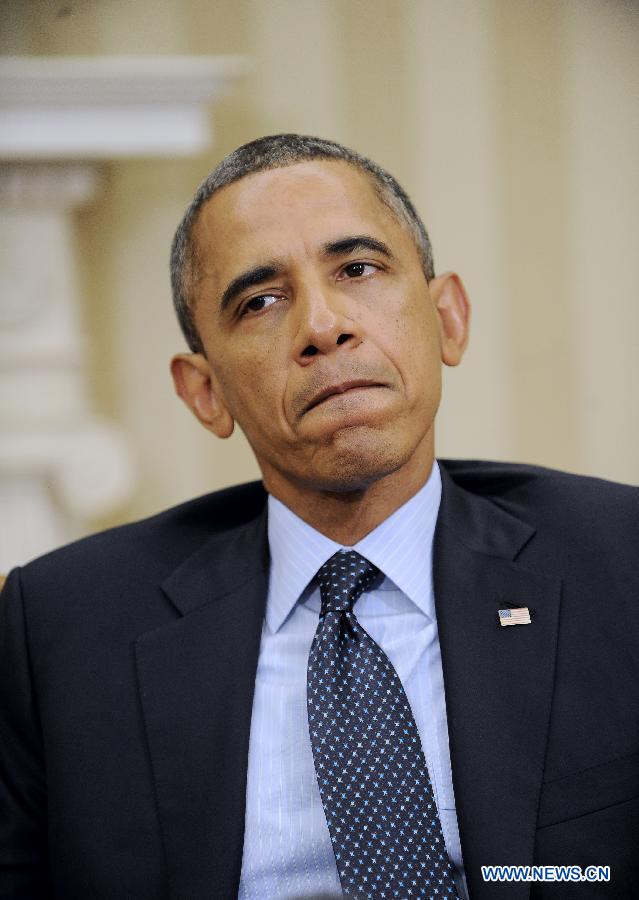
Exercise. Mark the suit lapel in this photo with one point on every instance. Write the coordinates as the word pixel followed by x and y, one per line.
pixel 498 681
pixel 196 678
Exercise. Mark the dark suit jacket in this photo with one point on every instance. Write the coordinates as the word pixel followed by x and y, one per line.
pixel 126 680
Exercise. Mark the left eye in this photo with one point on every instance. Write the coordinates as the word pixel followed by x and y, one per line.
pixel 358 269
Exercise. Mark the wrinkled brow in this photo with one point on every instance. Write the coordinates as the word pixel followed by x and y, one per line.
pixel 261 273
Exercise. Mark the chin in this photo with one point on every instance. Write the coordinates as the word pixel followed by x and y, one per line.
pixel 353 464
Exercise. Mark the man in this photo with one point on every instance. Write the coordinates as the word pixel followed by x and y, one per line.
pixel 306 686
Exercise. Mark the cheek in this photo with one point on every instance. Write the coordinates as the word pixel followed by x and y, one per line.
pixel 411 340
pixel 253 387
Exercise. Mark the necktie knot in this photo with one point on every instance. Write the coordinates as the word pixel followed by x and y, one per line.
pixel 343 579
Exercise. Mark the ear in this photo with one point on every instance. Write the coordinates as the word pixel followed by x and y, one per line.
pixel 196 384
pixel 453 308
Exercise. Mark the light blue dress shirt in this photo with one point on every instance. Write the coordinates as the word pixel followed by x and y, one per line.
pixel 287 846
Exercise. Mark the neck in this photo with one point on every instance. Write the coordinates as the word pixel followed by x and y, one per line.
pixel 348 516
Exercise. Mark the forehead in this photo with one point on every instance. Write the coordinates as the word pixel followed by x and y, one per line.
pixel 281 212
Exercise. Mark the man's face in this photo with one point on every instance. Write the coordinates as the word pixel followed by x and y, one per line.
pixel 322 338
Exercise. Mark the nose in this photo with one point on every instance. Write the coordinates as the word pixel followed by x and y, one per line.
pixel 322 323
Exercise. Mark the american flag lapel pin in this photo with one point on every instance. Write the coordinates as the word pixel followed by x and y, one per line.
pixel 517 616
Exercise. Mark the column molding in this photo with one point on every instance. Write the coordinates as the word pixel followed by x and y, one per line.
pixel 110 107
pixel 61 121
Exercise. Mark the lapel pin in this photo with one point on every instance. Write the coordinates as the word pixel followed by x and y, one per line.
pixel 518 616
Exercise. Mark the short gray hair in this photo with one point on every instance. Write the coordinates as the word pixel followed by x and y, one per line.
pixel 275 152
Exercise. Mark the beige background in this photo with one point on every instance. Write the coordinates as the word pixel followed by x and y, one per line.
pixel 512 123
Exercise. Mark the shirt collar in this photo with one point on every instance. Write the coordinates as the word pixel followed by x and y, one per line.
pixel 400 546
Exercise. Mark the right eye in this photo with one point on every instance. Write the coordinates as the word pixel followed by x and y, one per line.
pixel 257 304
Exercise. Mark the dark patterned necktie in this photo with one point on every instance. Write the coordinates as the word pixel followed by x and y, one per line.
pixel 371 770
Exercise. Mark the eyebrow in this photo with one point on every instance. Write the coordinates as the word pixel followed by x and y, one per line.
pixel 259 274
pixel 249 278
pixel 351 244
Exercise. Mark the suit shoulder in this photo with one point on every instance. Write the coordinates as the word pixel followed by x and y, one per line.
pixel 501 480
pixel 159 542
pixel 580 508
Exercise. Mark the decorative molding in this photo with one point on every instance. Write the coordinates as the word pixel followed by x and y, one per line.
pixel 87 465
pixel 61 465
pixel 39 185
pixel 111 106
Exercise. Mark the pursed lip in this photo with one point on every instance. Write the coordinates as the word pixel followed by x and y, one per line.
pixel 340 389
